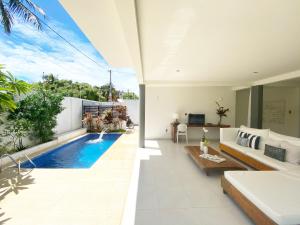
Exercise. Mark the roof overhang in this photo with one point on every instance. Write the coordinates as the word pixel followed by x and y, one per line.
pixel 197 42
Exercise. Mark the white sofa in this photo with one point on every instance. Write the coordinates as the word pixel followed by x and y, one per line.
pixel 228 137
pixel 267 197
pixel 275 193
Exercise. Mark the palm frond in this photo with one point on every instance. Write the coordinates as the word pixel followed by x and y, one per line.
pixel 18 86
pixel 35 7
pixel 7 102
pixel 6 18
pixel 19 9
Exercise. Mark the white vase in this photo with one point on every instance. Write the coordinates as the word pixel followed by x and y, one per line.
pixel 201 145
pixel 205 149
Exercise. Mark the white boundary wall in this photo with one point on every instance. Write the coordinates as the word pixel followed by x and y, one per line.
pixel 70 118
pixel 133 110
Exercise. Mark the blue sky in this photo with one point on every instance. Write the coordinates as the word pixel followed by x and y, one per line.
pixel 29 53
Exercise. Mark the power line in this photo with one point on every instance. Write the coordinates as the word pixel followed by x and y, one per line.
pixel 73 46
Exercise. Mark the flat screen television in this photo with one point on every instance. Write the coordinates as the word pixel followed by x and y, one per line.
pixel 197 119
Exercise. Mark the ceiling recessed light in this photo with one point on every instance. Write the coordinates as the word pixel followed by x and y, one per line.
pixel 255 72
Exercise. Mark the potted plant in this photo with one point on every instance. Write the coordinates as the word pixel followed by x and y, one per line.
pixel 205 147
pixel 203 139
pixel 221 112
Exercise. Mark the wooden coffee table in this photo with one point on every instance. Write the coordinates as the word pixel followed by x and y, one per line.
pixel 207 165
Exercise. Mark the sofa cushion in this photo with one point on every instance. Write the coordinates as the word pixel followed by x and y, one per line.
pixel 275 152
pixel 280 137
pixel 263 133
pixel 276 193
pixel 292 152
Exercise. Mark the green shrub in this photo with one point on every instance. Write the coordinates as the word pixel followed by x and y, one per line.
pixel 40 109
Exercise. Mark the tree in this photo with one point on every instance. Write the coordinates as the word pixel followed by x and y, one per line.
pixel 129 95
pixel 17 129
pixel 104 90
pixel 10 86
pixel 24 9
pixel 40 108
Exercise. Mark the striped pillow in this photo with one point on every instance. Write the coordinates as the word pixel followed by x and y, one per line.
pixel 242 134
pixel 253 141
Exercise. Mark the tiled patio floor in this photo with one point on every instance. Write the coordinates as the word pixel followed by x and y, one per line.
pixel 173 191
pixel 91 196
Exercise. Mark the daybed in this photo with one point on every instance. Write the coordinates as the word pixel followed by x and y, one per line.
pixel 270 196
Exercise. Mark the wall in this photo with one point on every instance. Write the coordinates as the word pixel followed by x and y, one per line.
pixel 162 102
pixel 281 110
pixel 70 118
pixel 133 110
pixel 242 107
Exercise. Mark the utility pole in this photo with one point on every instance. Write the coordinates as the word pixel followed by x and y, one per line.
pixel 110 88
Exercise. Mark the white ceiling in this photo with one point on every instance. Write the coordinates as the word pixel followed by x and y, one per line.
pixel 209 42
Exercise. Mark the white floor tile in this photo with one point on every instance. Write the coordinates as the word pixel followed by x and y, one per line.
pixel 173 190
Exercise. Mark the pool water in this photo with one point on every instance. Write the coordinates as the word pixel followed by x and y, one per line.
pixel 80 153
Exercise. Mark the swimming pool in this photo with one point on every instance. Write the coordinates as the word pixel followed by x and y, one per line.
pixel 80 153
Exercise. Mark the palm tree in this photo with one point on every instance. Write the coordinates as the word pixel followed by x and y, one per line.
pixel 24 9
pixel 10 86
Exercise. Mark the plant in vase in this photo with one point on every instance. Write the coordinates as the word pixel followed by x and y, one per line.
pixel 221 112
pixel 203 139
pixel 205 147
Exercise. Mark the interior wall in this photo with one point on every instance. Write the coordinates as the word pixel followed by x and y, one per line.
pixel 162 102
pixel 242 107
pixel 281 110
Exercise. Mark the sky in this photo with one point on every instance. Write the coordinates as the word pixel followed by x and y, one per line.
pixel 28 53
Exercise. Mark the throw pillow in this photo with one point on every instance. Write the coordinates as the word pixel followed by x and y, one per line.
pixel 292 152
pixel 242 141
pixel 238 140
pixel 242 134
pixel 275 152
pixel 253 141
pixel 263 133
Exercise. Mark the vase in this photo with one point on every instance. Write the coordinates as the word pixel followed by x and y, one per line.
pixel 205 149
pixel 201 145
pixel 220 121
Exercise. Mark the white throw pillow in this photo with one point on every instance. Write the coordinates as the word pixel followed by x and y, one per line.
pixel 292 154
pixel 263 133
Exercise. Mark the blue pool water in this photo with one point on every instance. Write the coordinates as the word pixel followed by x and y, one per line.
pixel 81 153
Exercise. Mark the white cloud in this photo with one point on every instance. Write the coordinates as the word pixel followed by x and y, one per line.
pixel 29 53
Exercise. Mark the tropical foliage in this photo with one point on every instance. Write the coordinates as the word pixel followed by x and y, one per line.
pixel 82 90
pixel 221 112
pixel 25 10
pixel 16 130
pixel 129 95
pixel 40 109
pixel 10 86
